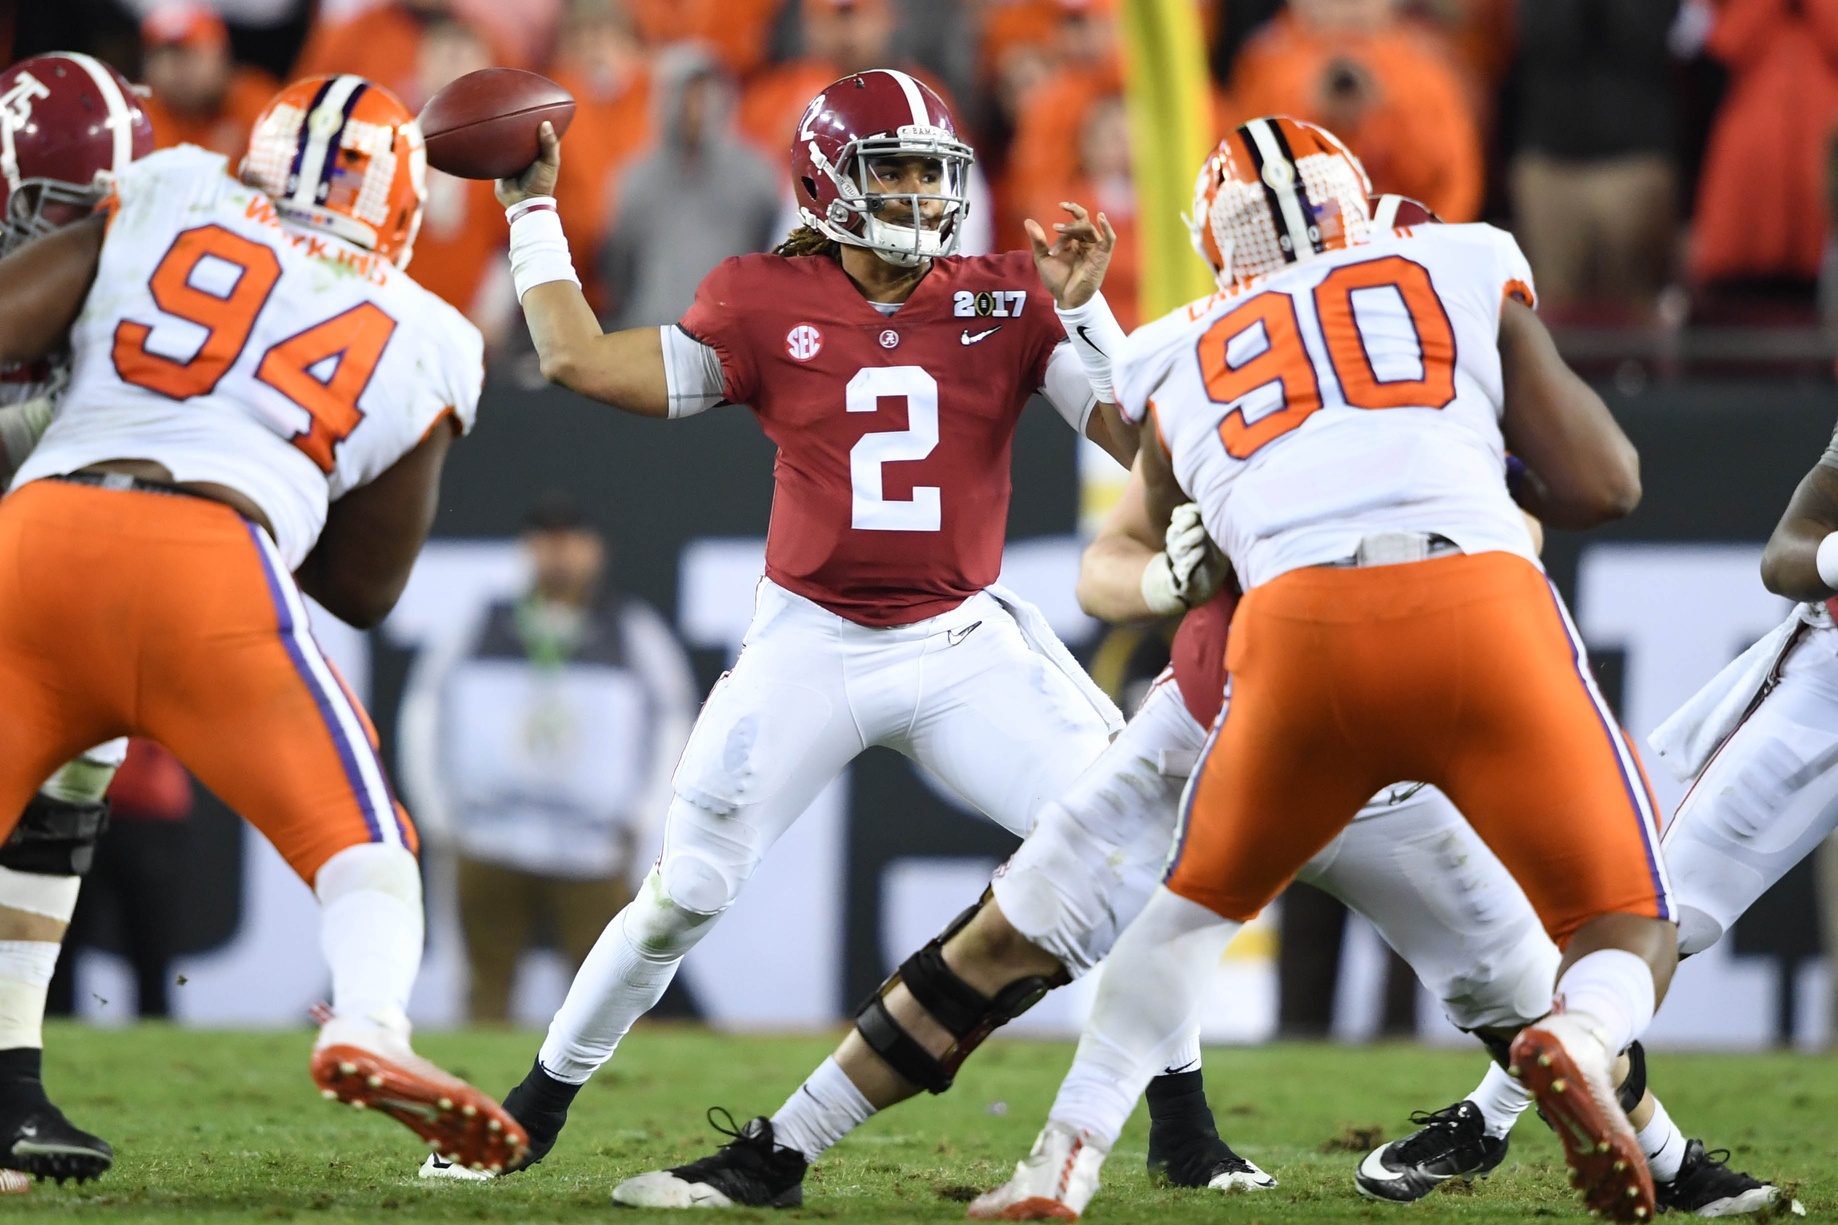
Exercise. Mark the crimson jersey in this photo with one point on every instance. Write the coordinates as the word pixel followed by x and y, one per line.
pixel 891 486
pixel 1198 656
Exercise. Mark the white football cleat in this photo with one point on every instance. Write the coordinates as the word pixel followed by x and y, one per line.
pixel 437 1166
pixel 1053 1182
pixel 366 1062
pixel 1247 1178
pixel 1570 1073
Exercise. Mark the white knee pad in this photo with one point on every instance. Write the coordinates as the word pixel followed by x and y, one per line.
pixel 370 866
pixel 662 928
pixel 1697 931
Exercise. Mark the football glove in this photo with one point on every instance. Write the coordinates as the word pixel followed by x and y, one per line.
pixel 1188 571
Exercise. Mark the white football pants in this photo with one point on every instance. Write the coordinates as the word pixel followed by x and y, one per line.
pixel 963 694
pixel 1765 800
pixel 1409 863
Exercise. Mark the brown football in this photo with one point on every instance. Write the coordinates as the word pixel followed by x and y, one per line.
pixel 483 125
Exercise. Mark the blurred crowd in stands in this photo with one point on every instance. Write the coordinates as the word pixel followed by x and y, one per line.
pixel 1662 161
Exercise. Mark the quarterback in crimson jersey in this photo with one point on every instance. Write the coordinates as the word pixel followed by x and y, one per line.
pixel 891 373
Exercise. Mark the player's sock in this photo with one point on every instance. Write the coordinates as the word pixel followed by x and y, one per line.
pixel 26 965
pixel 1663 1143
pixel 1501 1099
pixel 1143 1015
pixel 826 1107
pixel 1186 1057
pixel 370 928
pixel 1611 991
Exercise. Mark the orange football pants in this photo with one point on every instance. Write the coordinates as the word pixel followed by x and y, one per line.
pixel 1462 671
pixel 125 612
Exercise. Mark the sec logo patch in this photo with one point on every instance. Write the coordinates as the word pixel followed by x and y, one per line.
pixel 803 342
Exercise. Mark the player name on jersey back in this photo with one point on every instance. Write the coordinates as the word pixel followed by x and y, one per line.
pixel 233 348
pixel 890 499
pixel 1357 392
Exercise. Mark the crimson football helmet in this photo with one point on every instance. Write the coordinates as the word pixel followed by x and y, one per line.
pixel 879 113
pixel 1277 190
pixel 68 124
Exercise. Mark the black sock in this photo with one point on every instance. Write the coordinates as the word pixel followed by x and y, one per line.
pixel 1179 1096
pixel 22 1063
pixel 543 1093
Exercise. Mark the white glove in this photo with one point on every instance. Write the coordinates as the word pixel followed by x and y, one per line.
pixel 1188 571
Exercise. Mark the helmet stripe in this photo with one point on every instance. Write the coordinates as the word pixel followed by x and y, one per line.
pixel 1285 203
pixel 1311 231
pixel 120 114
pixel 313 156
pixel 921 118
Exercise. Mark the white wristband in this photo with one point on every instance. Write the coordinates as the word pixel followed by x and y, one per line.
pixel 539 249
pixel 1096 337
pixel 1827 560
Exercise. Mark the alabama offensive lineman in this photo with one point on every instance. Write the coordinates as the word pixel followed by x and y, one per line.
pixel 68 124
pixel 246 408
pixel 890 372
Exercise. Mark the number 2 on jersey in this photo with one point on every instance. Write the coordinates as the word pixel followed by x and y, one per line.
pixel 1283 360
pixel 872 510
pixel 353 341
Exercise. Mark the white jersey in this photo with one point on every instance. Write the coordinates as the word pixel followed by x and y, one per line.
pixel 1357 392
pixel 285 364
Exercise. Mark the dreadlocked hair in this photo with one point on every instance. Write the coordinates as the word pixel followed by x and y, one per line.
pixel 807 240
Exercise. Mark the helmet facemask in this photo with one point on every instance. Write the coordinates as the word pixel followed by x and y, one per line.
pixel 36 207
pixel 860 196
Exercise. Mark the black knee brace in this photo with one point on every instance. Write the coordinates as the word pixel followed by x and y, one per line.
pixel 54 837
pixel 966 1013
pixel 1635 1086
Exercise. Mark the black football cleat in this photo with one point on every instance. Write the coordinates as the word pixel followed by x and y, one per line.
pixel 1448 1143
pixel 36 1138
pixel 1706 1186
pixel 752 1170
pixel 1184 1144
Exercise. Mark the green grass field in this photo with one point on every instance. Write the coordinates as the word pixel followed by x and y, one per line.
pixel 227 1127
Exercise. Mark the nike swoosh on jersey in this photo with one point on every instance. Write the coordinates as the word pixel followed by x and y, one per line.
pixel 953 637
pixel 968 339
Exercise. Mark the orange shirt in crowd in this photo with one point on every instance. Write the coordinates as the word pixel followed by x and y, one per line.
pixel 1124 273
pixel 381 44
pixel 225 130
pixel 1045 148
pixel 612 126
pixel 462 235
pixel 1412 124
pixel 151 785
pixel 1761 198
pixel 739 32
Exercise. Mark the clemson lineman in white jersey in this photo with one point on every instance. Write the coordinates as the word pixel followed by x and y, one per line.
pixel 259 406
pixel 1340 416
